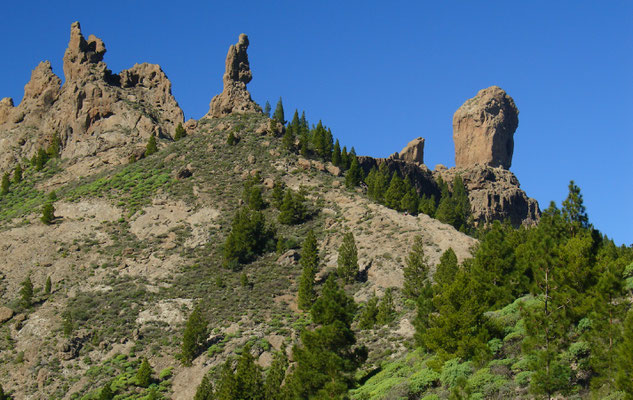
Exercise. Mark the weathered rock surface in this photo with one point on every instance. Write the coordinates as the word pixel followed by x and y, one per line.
pixel 413 152
pixel 421 178
pixel 5 314
pixel 95 113
pixel 483 129
pixel 494 194
pixel 235 98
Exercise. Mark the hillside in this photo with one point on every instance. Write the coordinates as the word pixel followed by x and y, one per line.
pixel 142 240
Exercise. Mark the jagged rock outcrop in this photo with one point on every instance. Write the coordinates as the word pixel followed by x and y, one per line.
pixel 420 176
pixel 95 113
pixel 483 129
pixel 413 152
pixel 235 98
pixel 495 195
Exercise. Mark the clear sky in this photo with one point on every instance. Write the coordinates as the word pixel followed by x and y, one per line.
pixel 382 73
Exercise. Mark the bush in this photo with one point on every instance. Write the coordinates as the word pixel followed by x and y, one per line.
pixel 453 372
pixel 422 380
pixel 231 139
pixel 523 378
pixel 48 213
pixel 165 373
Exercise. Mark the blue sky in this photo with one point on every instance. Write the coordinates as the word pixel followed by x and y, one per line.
pixel 380 74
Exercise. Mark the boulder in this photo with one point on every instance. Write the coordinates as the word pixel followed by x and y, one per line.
pixel 235 98
pixel 413 152
pixel 483 129
pixel 6 106
pixel 5 314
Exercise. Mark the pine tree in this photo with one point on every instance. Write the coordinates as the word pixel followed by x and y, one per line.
pixel 267 109
pixel 446 269
pixel 348 259
pixel 106 392
pixel 306 294
pixel 180 132
pixel 293 208
pixel 310 252
pixel 624 361
pixel 354 175
pixel 252 194
pixel 144 374
pixel 279 113
pixel 447 208
pixel 48 213
pixel 344 158
pixel 227 384
pixel 288 140
pixel 326 361
pixel 462 204
pixel 574 212
pixel 151 147
pixel 278 194
pixel 41 158
pixel 427 205
pixel 275 377
pixel 409 202
pixel 416 273
pixel 395 192
pixel 248 376
pixel 310 263
pixel 248 238
pixel 26 292
pixel 194 336
pixel 4 187
pixel 368 315
pixel 336 154
pixel 54 148
pixel 47 287
pixel 205 389
pixel 17 174
pixel 386 309
pixel 547 322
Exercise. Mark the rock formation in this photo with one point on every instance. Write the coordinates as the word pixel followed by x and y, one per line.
pixel 235 98
pixel 420 176
pixel 483 129
pixel 495 195
pixel 95 113
pixel 413 152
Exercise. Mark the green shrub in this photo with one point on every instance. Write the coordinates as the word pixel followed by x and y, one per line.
pixel 523 378
pixel 423 380
pixel 48 214
pixel 454 371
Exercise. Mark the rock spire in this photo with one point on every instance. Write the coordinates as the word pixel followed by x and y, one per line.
pixel 483 129
pixel 235 98
pixel 95 113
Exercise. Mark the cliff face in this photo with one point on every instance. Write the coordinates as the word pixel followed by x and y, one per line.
pixel 495 195
pixel 95 112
